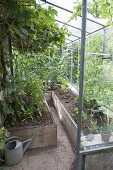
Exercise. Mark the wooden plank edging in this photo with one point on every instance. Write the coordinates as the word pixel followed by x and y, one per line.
pixel 66 119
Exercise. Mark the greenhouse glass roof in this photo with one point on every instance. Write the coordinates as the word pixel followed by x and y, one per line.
pixel 65 11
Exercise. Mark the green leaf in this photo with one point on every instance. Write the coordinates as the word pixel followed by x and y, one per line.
pixel 7 109
pixel 16 30
pixel 2 144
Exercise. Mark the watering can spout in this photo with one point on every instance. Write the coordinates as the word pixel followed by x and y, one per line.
pixel 27 142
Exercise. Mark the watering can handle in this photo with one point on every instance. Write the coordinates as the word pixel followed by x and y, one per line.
pixel 27 142
pixel 12 138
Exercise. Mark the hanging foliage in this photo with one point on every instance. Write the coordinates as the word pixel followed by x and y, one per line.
pixel 28 28
pixel 98 8
pixel 32 28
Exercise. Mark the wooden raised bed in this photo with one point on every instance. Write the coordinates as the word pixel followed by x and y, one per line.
pixel 45 135
pixel 66 119
pixel 102 160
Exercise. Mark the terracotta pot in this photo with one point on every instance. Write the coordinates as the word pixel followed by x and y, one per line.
pixel 105 137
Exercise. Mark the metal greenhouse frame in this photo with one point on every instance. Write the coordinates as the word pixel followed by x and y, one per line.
pixel 80 159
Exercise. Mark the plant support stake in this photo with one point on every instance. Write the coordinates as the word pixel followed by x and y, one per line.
pixel 81 79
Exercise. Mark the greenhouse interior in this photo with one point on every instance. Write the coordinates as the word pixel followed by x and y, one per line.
pixel 56 85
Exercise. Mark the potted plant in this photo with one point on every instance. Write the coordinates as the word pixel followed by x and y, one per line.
pixel 3 135
pixel 93 130
pixel 106 132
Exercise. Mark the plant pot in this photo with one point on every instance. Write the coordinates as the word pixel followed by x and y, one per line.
pixel 105 137
pixel 90 137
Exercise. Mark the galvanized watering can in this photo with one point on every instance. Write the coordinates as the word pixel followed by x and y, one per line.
pixel 15 149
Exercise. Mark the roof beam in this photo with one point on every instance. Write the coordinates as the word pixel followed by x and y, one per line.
pixel 57 6
pixel 75 36
pixel 94 21
pixel 69 40
pixel 70 25
pixel 88 34
pixel 72 12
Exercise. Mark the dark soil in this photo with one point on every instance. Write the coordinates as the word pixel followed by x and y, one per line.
pixel 36 120
pixel 69 100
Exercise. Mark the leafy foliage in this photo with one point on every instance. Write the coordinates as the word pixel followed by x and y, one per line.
pixel 97 85
pixel 28 33
pixel 3 135
pixel 38 32
pixel 98 8
pixel 107 129
pixel 102 9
